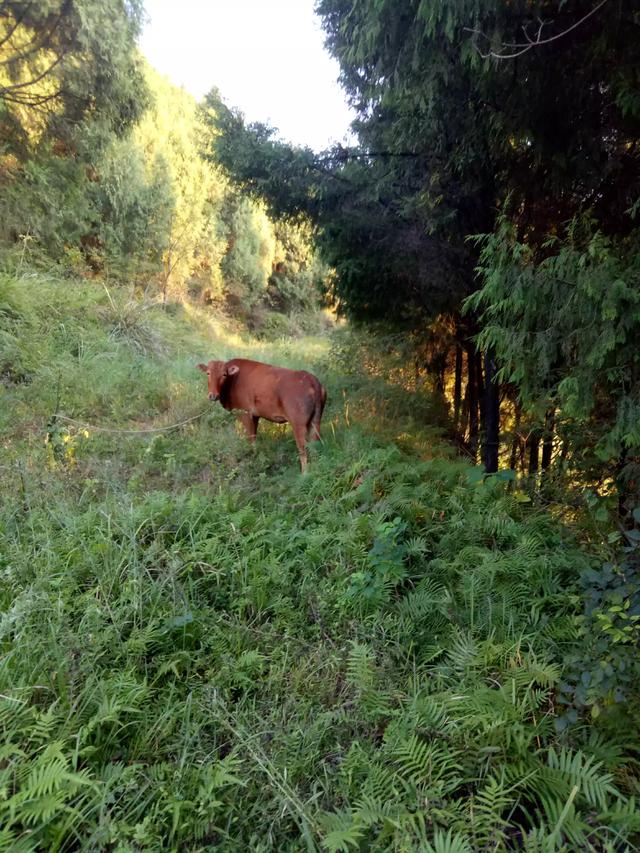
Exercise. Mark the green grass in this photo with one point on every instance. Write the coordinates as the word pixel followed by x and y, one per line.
pixel 203 649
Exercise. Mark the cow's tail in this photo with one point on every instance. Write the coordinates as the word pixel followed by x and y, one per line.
pixel 321 399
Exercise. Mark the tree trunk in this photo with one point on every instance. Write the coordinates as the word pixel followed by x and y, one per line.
pixel 464 413
pixel 516 443
pixel 624 488
pixel 547 445
pixel 439 369
pixel 165 287
pixel 472 399
pixel 442 374
pixel 480 386
pixel 457 386
pixel 534 452
pixel 491 415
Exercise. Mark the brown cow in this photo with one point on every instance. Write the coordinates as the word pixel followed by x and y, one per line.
pixel 274 393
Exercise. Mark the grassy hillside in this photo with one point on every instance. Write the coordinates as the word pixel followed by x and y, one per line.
pixel 203 649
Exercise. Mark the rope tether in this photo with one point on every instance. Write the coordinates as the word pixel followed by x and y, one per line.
pixel 129 431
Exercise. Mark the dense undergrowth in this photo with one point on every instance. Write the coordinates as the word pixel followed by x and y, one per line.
pixel 203 649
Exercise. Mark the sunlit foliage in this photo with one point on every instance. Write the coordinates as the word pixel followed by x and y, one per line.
pixel 169 137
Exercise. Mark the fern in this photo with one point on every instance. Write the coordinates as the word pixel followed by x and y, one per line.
pixel 344 833
pixel 425 765
pixel 43 725
pixel 12 843
pixel 532 671
pixel 360 667
pixel 376 704
pixel 621 819
pixel 586 774
pixel 382 784
pixel 39 810
pixel 424 606
pixel 487 813
pixel 564 820
pixel 462 652
pixel 448 843
pixel 431 714
pixel 540 840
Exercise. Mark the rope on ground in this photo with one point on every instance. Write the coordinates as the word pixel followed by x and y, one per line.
pixel 96 428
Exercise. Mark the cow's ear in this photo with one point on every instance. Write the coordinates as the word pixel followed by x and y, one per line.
pixel 202 367
pixel 231 371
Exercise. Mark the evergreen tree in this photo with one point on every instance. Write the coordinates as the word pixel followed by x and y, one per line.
pixel 70 84
pixel 62 61
pixel 169 137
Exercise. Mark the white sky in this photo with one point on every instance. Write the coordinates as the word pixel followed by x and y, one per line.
pixel 265 56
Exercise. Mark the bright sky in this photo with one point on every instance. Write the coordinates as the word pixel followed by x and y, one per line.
pixel 265 56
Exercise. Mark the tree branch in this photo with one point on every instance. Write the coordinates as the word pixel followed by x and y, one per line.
pixel 24 99
pixel 26 84
pixel 17 21
pixel 39 41
pixel 521 48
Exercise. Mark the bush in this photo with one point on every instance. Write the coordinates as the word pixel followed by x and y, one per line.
pixel 247 264
pixel 270 325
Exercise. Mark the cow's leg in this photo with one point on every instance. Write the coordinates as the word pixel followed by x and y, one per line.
pixel 300 435
pixel 314 424
pixel 313 430
pixel 251 425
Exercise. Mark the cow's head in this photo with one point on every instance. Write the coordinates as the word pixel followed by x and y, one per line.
pixel 217 374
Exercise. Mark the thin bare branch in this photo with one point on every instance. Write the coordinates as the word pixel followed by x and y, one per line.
pixel 521 48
